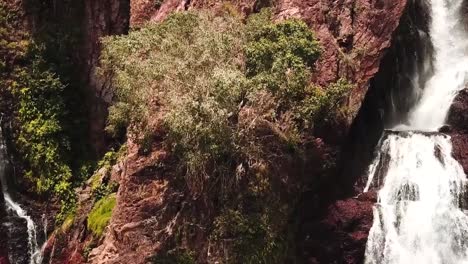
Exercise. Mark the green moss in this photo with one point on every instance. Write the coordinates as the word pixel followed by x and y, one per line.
pixel 68 222
pixel 100 215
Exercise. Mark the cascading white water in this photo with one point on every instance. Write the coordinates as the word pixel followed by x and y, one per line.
pixel 33 248
pixel 419 217
pixel 450 41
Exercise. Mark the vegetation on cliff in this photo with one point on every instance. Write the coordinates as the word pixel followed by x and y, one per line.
pixel 235 102
pixel 208 76
pixel 39 101
pixel 100 214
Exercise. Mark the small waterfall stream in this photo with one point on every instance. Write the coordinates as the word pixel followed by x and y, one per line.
pixel 34 251
pixel 419 216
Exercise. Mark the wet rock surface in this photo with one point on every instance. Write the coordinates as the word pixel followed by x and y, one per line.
pixel 341 236
pixel 338 232
pixel 17 244
pixel 458 120
pixel 3 231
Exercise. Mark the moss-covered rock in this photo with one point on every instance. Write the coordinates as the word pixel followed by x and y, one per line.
pixel 100 215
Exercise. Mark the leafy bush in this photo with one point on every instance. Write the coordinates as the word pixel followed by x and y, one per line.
pixel 108 160
pixel 101 184
pixel 13 44
pixel 41 139
pixel 104 189
pixel 275 48
pixel 100 215
pixel 35 88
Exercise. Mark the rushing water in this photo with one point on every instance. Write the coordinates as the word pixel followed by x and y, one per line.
pixel 419 217
pixel 34 251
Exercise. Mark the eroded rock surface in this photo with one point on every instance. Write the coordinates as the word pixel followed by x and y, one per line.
pixel 355 35
pixel 458 121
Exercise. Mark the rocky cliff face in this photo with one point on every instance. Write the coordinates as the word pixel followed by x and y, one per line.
pixel 458 130
pixel 339 229
pixel 80 25
pixel 368 42
pixel 355 35
pixel 101 18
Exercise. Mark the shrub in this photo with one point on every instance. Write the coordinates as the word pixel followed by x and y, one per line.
pixel 276 47
pixel 101 184
pixel 100 215
pixel 108 160
pixel 104 189
pixel 41 140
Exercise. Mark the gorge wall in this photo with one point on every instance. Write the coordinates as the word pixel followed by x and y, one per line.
pixel 355 36
pixel 371 43
pixel 341 227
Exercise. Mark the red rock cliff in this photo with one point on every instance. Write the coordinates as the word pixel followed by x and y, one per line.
pixel 101 18
pixel 355 35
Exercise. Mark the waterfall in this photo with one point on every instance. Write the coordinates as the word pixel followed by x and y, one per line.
pixel 450 41
pixel 419 216
pixel 34 251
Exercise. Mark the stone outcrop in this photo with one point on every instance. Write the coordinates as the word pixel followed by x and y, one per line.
pixel 101 18
pixel 367 42
pixel 148 208
pixel 342 234
pixel 355 36
pixel 324 239
pixel 458 128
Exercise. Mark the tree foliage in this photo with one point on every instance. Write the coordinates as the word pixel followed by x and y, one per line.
pixel 35 97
